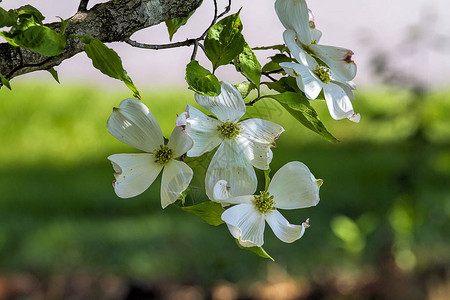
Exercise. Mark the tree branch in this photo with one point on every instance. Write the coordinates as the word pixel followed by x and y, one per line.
pixel 108 22
pixel 83 5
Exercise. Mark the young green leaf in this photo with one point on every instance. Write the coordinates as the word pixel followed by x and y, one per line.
pixel 209 211
pixel 28 10
pixel 224 41
pixel 5 81
pixel 174 24
pixel 7 18
pixel 247 63
pixel 245 88
pixel 201 80
pixel 258 250
pixel 281 48
pixel 54 74
pixel 300 108
pixel 285 84
pixel 107 61
pixel 273 64
pixel 42 40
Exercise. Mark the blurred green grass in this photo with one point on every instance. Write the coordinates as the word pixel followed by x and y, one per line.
pixel 58 211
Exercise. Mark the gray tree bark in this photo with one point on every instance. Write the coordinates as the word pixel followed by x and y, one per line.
pixel 107 22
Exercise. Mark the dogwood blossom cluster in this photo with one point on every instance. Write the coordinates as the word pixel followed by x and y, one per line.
pixel 318 67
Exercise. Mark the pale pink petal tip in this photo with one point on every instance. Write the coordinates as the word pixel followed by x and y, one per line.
pixel 306 223
pixel 355 118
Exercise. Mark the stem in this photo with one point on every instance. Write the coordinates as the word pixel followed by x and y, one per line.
pixel 257 99
pixel 187 43
pixel 83 5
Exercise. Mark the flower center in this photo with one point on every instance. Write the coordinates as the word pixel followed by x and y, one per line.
pixel 163 155
pixel 228 129
pixel 323 74
pixel 264 202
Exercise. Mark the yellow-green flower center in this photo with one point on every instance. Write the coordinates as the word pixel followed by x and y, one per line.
pixel 163 155
pixel 323 74
pixel 264 202
pixel 228 129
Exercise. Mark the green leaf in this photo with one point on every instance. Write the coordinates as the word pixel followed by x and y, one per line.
pixel 266 179
pixel 282 48
pixel 28 10
pixel 300 108
pixel 7 18
pixel 285 84
pixel 64 24
pixel 247 63
pixel 7 36
pixel 54 74
pixel 245 88
pixel 224 41
pixel 5 81
pixel 174 24
pixel 42 40
pixel 273 64
pixel 258 250
pixel 209 211
pixel 201 80
pixel 107 61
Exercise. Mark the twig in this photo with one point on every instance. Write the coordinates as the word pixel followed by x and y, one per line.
pixel 256 100
pixel 267 74
pixel 187 43
pixel 227 9
pixel 83 5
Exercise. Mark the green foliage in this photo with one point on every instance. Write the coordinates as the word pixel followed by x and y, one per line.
pixel 273 64
pixel 247 63
pixel 54 74
pixel 201 80
pixel 224 41
pixel 27 11
pixel 258 250
pixel 5 81
pixel 209 211
pixel 174 24
pixel 282 48
pixel 300 108
pixel 245 88
pixel 7 18
pixel 107 61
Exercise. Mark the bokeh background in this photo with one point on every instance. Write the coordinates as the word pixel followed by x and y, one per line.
pixel 380 231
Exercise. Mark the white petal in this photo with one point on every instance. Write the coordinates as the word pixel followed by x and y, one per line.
pixel 315 33
pixel 355 118
pixel 230 163
pixel 257 136
pixel 175 179
pixel 133 124
pixel 236 233
pixel 311 84
pixel 203 130
pixel 180 142
pixel 285 231
pixel 339 60
pixel 249 221
pixel 347 89
pixel 293 14
pixel 297 51
pixel 338 102
pixel 294 186
pixel 221 194
pixel 134 173
pixel 229 106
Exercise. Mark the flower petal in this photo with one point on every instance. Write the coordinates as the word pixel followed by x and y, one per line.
pixel 297 51
pixel 293 14
pixel 312 86
pixel 237 233
pixel 315 33
pixel 338 102
pixel 230 163
pixel 294 186
pixel 180 142
pixel 339 60
pixel 221 194
pixel 285 231
pixel 257 137
pixel 134 173
pixel 203 130
pixel 133 124
pixel 249 221
pixel 229 106
pixel 175 179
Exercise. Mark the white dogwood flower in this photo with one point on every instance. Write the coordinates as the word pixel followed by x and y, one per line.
pixel 133 124
pixel 242 145
pixel 292 187
pixel 302 40
pixel 314 78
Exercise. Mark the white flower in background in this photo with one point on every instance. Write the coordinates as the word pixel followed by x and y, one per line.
pixel 314 78
pixel 301 38
pixel 292 187
pixel 133 124
pixel 242 145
